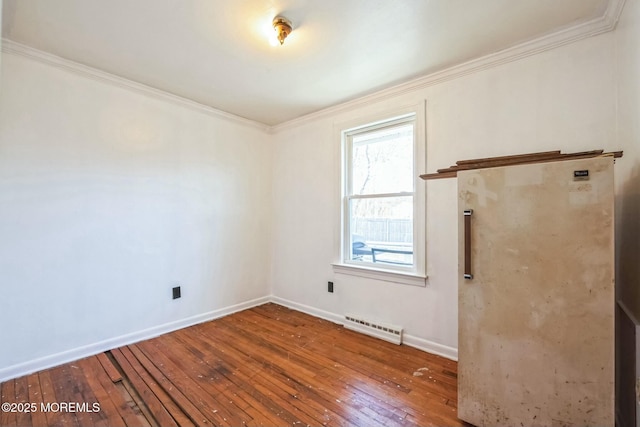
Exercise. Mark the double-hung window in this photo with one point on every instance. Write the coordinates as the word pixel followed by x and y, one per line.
pixel 381 230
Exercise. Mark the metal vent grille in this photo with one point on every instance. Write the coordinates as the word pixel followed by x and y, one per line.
pixel 383 331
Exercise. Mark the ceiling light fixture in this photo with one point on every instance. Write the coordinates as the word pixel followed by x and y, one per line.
pixel 283 27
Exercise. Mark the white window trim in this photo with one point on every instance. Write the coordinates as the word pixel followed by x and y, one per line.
pixel 380 274
pixel 347 188
pixel 415 275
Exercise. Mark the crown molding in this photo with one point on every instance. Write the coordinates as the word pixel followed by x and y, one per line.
pixel 613 12
pixel 603 24
pixel 12 47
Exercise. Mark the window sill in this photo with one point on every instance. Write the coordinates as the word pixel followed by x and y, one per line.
pixel 379 274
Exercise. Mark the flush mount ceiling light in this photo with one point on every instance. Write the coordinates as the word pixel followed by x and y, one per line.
pixel 283 27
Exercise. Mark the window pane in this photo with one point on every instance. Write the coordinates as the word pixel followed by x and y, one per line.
pixel 382 161
pixel 382 230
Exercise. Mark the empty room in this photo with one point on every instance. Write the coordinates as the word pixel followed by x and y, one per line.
pixel 320 213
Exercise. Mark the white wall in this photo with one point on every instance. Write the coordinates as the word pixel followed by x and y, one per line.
pixel 627 38
pixel 559 99
pixel 108 198
pixel 1 7
pixel 628 201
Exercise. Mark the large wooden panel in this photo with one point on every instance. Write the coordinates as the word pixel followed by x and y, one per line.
pixel 536 321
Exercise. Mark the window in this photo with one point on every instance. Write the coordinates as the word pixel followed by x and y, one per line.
pixel 380 202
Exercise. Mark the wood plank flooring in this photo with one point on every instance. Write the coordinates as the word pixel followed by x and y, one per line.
pixel 267 366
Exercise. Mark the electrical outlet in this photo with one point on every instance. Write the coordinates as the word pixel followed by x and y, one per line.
pixel 176 292
pixel 330 287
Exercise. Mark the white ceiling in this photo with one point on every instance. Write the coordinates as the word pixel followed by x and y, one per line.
pixel 217 52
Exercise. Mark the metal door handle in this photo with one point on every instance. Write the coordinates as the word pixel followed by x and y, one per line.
pixel 467 244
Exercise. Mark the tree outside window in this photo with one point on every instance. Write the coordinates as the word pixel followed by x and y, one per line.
pixel 379 194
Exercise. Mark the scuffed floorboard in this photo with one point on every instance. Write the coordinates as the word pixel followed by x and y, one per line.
pixel 267 366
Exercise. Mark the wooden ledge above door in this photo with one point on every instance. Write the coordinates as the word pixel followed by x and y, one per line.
pixel 519 159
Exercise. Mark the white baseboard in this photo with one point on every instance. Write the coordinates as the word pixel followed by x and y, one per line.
pixel 410 340
pixel 326 315
pixel 46 362
pixel 431 347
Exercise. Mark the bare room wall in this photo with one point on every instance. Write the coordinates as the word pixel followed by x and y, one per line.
pixel 108 199
pixel 558 99
pixel 627 38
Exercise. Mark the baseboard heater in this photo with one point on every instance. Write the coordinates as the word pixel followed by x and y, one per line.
pixel 384 331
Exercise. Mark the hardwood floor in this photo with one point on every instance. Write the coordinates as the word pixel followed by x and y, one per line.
pixel 267 366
